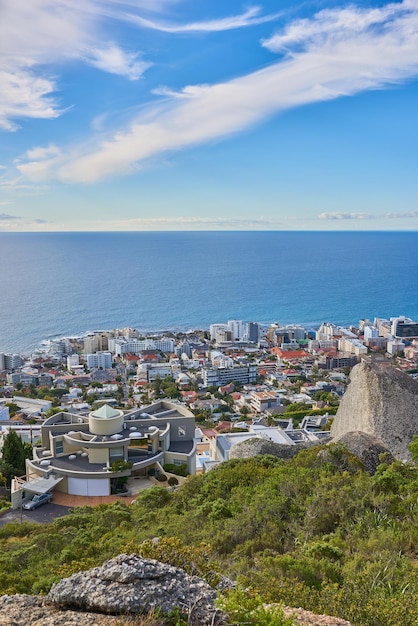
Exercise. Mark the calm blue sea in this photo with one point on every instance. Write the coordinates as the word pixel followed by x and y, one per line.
pixel 55 284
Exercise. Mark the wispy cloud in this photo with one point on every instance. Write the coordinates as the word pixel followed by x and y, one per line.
pixel 187 223
pixel 6 217
pixel 334 24
pixel 40 34
pixel 367 216
pixel 250 17
pixel 42 153
pixel 406 215
pixel 345 216
pixel 336 53
pixel 114 60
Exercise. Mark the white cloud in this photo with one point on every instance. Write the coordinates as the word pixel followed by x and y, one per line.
pixel 115 61
pixel 378 49
pixel 23 94
pixel 250 17
pixel 42 153
pixel 186 223
pixel 406 215
pixel 39 34
pixel 5 216
pixel 330 23
pixel 367 216
pixel 345 216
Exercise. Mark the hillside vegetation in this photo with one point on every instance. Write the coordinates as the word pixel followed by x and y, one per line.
pixel 316 531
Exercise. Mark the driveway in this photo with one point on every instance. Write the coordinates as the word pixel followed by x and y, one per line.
pixel 43 515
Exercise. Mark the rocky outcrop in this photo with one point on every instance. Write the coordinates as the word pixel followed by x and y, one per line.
pixel 128 587
pixel 366 448
pixel 382 402
pixel 129 584
pixel 23 610
pixel 254 446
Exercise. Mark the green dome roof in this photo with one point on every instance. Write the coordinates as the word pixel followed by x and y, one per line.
pixel 105 412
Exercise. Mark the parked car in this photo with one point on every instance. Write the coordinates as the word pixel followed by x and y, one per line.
pixel 38 500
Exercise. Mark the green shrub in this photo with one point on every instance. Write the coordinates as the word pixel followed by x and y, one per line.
pixel 244 606
pixel 195 560
pixel 180 470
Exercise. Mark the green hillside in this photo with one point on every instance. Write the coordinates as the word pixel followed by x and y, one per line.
pixel 316 531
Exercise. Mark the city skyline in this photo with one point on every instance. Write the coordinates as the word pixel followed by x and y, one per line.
pixel 171 115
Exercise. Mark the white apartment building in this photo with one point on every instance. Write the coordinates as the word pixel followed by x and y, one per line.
pixel 395 346
pixel 224 337
pixel 221 375
pixel 370 332
pixel 99 359
pixel 383 326
pixel 326 331
pixel 297 332
pixel 324 344
pixel 73 361
pixel 352 346
pixel 218 359
pixel 237 329
pixel 96 342
pixel 122 345
pixel 215 328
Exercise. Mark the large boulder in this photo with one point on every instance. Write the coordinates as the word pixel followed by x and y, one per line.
pixel 129 584
pixel 382 402
pixel 367 449
pixel 255 446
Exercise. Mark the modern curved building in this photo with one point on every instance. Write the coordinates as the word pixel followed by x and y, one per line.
pixel 77 452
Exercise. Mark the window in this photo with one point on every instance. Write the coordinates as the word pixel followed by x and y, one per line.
pixel 59 446
pixel 116 454
pixel 181 432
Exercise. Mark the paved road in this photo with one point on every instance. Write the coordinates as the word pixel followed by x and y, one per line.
pixel 43 515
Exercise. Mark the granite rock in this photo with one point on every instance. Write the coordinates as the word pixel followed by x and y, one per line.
pixel 129 584
pixel 382 402
pixel 255 446
pixel 367 449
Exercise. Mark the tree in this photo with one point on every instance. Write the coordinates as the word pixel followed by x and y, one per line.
pixel 413 448
pixel 52 411
pixel 13 457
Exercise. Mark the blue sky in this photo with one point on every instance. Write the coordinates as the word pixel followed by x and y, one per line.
pixel 208 115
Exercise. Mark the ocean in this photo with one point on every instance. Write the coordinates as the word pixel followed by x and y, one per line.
pixel 66 284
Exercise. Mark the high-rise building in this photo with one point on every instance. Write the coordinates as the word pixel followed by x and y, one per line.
pixel 215 328
pixel 99 359
pixel 12 362
pixel 404 328
pixel 237 329
pixel 252 332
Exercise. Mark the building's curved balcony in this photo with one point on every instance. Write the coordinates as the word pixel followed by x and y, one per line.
pixel 79 465
pixel 141 459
